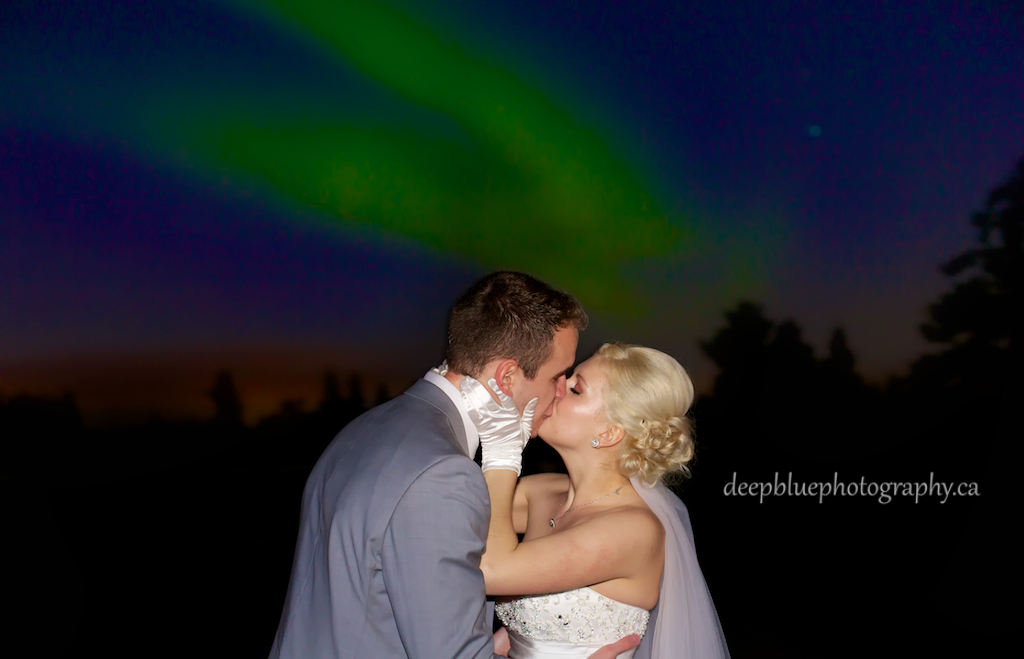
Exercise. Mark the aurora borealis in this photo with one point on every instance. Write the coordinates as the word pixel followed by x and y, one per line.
pixel 258 185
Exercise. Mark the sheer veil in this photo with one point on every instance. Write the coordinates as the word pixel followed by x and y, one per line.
pixel 685 623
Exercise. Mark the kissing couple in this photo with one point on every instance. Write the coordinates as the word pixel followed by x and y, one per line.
pixel 402 536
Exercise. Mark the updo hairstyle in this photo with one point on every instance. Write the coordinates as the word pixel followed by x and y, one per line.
pixel 648 395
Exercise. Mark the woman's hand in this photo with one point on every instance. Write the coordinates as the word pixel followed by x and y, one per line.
pixel 503 431
pixel 617 648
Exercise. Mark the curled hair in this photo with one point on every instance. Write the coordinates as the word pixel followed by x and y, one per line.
pixel 648 395
pixel 509 315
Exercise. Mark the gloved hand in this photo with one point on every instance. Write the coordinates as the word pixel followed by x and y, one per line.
pixel 503 432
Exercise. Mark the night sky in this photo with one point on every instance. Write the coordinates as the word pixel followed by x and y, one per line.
pixel 282 188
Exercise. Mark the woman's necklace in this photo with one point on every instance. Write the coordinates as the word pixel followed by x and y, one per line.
pixel 555 519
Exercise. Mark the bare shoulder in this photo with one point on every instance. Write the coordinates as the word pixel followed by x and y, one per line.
pixel 631 525
pixel 637 517
pixel 630 536
pixel 646 518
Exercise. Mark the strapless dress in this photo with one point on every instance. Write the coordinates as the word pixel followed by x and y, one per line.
pixel 567 625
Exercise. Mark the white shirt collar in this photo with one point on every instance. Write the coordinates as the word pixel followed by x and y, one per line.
pixel 434 377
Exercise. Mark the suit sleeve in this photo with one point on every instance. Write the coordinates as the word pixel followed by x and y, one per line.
pixel 431 563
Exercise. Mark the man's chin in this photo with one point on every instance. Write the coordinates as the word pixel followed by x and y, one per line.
pixel 538 423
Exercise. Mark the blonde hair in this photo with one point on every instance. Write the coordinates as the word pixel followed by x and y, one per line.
pixel 648 395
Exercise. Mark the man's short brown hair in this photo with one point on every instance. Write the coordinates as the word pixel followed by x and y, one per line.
pixel 509 315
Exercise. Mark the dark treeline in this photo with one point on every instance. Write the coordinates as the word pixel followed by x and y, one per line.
pixel 166 538
pixel 147 539
pixel 49 433
pixel 837 577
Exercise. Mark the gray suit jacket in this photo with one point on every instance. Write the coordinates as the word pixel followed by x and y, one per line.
pixel 394 520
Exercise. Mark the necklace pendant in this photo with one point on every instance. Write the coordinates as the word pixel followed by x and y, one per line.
pixel 552 522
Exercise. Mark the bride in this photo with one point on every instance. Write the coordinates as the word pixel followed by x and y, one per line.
pixel 607 550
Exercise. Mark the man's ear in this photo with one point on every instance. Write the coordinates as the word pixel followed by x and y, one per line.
pixel 506 375
pixel 612 436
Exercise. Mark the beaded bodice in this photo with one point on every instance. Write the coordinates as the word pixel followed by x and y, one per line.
pixel 581 616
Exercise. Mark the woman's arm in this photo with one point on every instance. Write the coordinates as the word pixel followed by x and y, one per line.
pixel 528 487
pixel 613 545
pixel 520 505
pixel 617 543
pixel 501 534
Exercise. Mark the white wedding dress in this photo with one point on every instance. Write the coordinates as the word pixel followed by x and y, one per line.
pixel 570 624
pixel 574 624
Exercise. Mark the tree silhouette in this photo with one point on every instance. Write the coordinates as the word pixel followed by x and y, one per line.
pixel 331 401
pixel 773 393
pixel 790 359
pixel 291 407
pixel 838 368
pixel 739 351
pixel 979 322
pixel 226 401
pixel 972 391
pixel 840 357
pixel 356 402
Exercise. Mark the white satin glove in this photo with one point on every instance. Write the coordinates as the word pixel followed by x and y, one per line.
pixel 503 431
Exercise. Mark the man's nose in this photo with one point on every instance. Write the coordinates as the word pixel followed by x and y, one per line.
pixel 560 389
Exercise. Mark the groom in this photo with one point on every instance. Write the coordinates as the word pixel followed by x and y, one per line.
pixel 395 512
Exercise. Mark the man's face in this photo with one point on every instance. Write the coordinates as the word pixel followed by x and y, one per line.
pixel 549 385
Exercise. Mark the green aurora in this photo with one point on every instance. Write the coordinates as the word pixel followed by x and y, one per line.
pixel 523 185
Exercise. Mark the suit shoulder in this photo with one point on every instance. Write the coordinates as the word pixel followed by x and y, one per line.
pixel 399 419
pixel 391 446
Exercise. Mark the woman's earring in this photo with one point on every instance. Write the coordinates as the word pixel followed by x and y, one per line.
pixel 595 442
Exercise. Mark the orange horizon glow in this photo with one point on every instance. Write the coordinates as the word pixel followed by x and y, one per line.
pixel 116 390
